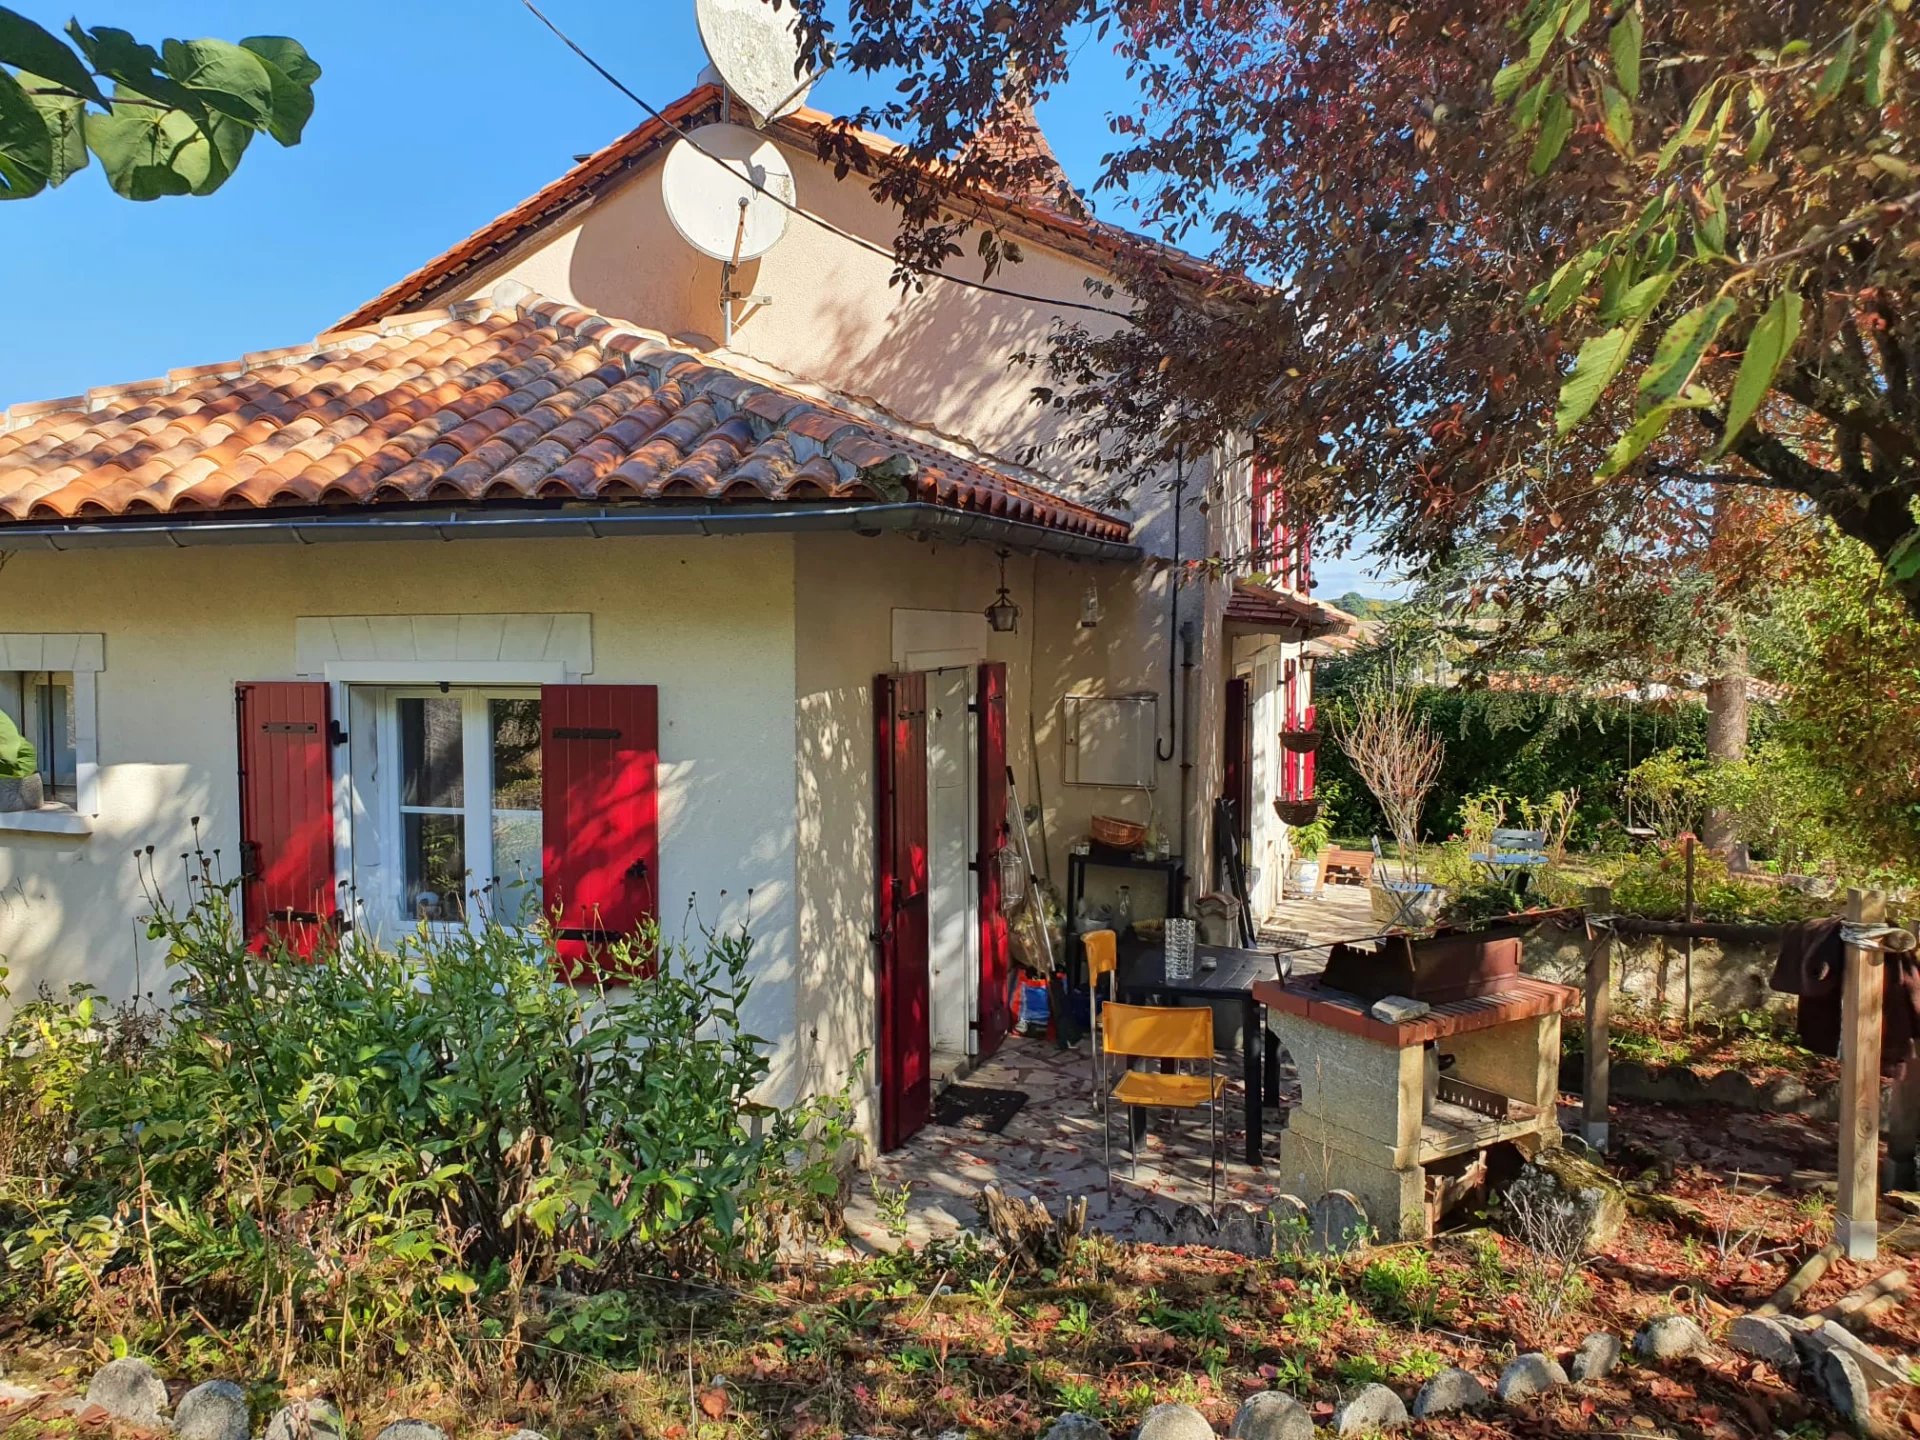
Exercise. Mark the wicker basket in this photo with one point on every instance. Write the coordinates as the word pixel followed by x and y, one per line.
pixel 1117 834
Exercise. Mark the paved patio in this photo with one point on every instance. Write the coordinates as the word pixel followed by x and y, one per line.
pixel 1052 1147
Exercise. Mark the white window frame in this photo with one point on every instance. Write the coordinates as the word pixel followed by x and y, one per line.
pixel 476 742
pixel 82 656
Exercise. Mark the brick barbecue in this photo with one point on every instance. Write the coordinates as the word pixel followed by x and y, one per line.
pixel 1422 1063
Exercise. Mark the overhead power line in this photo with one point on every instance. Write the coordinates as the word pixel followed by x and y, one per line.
pixel 808 215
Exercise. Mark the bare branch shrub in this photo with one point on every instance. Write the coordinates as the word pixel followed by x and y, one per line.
pixel 1397 756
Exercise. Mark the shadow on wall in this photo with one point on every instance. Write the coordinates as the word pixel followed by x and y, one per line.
pixel 72 908
pixel 943 356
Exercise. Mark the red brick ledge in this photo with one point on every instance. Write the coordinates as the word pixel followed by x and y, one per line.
pixel 1525 998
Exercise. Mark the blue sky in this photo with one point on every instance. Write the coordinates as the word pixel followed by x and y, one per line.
pixel 432 118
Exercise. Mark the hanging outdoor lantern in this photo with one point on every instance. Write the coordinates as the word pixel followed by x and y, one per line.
pixel 1090 607
pixel 1003 615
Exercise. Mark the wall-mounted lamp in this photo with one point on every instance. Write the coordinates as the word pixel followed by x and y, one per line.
pixel 1090 607
pixel 1003 615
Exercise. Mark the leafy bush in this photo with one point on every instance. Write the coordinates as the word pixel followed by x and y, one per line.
pixel 1528 745
pixel 351 1151
pixel 1652 884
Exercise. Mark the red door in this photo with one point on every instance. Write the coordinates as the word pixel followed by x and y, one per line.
pixel 600 850
pixel 1237 746
pixel 995 940
pixel 286 813
pixel 900 906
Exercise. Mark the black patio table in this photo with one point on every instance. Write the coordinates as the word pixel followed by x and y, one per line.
pixel 1220 972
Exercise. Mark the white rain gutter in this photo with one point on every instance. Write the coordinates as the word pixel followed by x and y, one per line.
pixel 921 521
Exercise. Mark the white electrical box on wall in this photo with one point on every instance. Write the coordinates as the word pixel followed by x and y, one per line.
pixel 1112 740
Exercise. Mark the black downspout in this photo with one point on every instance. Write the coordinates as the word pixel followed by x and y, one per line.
pixel 1176 727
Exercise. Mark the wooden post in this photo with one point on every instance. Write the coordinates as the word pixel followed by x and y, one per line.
pixel 1593 1117
pixel 1857 1214
pixel 1687 1012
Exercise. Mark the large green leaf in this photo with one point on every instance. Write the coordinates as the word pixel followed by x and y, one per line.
pixel 115 53
pixel 1638 300
pixel 1678 354
pixel 1643 433
pixel 1624 40
pixel 230 79
pixel 26 46
pixel 1878 74
pixel 1512 76
pixel 1619 117
pixel 292 88
pixel 286 55
pixel 1833 79
pixel 1767 349
pixel 1599 361
pixel 1568 281
pixel 1555 126
pixel 26 146
pixel 147 152
pixel 65 117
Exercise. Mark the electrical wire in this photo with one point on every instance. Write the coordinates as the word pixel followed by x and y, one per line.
pixel 807 215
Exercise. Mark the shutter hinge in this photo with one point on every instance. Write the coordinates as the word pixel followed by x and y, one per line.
pixel 335 735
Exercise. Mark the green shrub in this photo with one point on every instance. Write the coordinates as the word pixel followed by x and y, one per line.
pixel 1401 1285
pixel 18 758
pixel 348 1151
pixel 1652 884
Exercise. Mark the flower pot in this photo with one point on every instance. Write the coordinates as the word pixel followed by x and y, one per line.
pixel 1297 812
pixel 1303 879
pixel 23 792
pixel 1300 742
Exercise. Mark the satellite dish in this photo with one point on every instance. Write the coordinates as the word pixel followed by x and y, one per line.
pixel 727 210
pixel 755 49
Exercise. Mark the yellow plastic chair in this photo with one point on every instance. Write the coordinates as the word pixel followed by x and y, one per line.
pixel 1102 949
pixel 1164 1032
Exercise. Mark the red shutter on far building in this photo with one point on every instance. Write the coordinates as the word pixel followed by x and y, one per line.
pixel 599 749
pixel 287 888
pixel 995 940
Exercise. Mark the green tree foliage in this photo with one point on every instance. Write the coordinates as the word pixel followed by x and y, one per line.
pixel 172 121
pixel 1527 745
pixel 1847 651
pixel 1535 277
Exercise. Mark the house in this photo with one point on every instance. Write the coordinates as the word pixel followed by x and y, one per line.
pixel 517 587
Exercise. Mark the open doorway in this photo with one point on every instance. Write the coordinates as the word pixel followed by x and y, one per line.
pixel 953 948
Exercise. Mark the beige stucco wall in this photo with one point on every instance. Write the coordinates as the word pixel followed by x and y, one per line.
pixel 710 621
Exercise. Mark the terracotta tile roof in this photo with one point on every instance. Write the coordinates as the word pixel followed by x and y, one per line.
pixel 538 402
pixel 1037 217
pixel 1264 607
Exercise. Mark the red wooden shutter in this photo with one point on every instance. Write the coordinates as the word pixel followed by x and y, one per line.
pixel 599 785
pixel 900 906
pixel 995 940
pixel 1289 710
pixel 286 814
pixel 1307 761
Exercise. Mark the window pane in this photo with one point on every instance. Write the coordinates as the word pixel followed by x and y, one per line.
pixel 516 867
pixel 56 740
pixel 516 754
pixel 430 752
pixel 434 866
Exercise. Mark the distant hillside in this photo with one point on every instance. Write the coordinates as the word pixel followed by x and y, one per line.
pixel 1361 606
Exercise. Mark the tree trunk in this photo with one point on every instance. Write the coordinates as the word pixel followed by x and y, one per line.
pixel 1726 728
